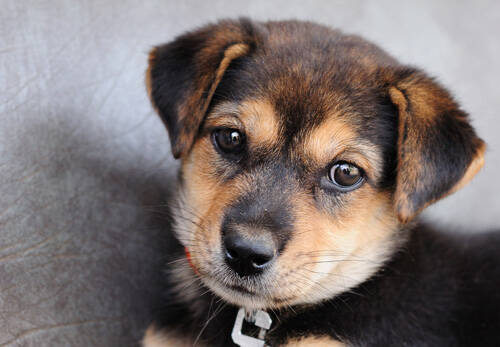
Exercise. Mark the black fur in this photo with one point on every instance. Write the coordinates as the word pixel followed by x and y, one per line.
pixel 265 209
pixel 439 290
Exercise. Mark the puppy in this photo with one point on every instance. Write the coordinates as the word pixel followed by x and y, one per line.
pixel 306 155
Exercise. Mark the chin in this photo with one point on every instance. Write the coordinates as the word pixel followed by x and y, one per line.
pixel 238 295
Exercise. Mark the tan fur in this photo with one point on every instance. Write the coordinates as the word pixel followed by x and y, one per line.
pixel 151 59
pixel 224 43
pixel 476 165
pixel 402 204
pixel 427 99
pixel 256 118
pixel 210 81
pixel 398 99
pixel 426 103
pixel 314 341
pixel 260 122
pixel 326 255
pixel 231 53
pixel 331 254
pixel 156 338
pixel 335 138
pixel 148 81
pixel 203 203
pixel 327 140
pixel 339 239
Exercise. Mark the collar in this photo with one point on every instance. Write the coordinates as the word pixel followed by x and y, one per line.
pixel 258 318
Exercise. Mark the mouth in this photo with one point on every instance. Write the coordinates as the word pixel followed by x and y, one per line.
pixel 233 288
pixel 241 296
pixel 238 289
pixel 241 289
pixel 237 294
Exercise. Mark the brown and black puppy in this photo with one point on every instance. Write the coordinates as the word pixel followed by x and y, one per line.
pixel 305 156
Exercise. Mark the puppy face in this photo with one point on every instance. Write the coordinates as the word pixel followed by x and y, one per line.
pixel 304 152
pixel 322 236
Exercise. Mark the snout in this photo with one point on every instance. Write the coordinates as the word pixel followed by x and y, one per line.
pixel 257 225
pixel 247 254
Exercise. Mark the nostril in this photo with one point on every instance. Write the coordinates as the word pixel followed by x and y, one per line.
pixel 245 255
pixel 231 254
pixel 259 261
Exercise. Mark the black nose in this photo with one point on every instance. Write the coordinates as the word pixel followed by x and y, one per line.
pixel 247 256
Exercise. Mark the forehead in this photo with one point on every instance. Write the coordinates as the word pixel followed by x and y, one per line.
pixel 305 70
pixel 311 89
pixel 309 73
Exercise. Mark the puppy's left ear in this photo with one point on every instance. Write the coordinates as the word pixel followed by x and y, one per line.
pixel 438 150
pixel 182 75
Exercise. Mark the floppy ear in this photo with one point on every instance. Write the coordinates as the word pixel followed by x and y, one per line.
pixel 438 150
pixel 182 75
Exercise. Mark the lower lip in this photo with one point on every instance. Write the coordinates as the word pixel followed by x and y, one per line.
pixel 242 290
pixel 245 292
pixel 239 290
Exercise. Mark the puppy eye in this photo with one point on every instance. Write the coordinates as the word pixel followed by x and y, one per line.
pixel 229 141
pixel 346 176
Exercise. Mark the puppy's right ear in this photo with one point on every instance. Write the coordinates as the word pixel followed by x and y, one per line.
pixel 438 149
pixel 182 75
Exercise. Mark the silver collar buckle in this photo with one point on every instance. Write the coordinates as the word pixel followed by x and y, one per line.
pixel 260 319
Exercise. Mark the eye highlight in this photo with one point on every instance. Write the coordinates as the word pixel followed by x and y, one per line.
pixel 229 141
pixel 345 176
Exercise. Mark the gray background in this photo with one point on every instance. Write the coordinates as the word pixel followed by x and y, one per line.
pixel 85 164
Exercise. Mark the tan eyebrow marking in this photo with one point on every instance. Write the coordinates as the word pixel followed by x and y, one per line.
pixel 335 138
pixel 256 116
pixel 260 121
pixel 224 114
pixel 327 140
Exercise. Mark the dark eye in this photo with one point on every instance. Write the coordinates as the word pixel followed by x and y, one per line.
pixel 346 176
pixel 229 141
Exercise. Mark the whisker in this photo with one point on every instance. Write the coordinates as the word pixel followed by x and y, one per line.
pixel 216 312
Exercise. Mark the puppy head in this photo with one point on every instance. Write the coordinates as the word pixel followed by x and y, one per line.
pixel 304 152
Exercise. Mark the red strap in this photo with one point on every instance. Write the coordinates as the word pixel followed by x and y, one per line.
pixel 188 256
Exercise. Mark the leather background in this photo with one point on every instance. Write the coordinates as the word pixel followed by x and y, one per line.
pixel 85 164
